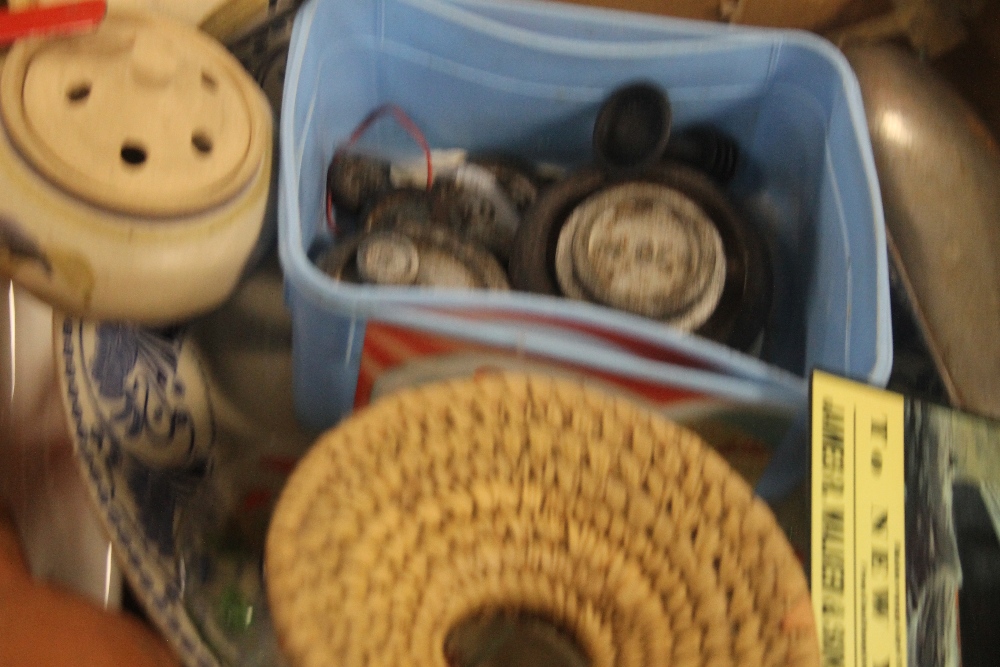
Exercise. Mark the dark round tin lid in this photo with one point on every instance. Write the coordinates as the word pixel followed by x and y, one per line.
pixel 646 249
pixel 354 179
pixel 516 177
pixel 447 260
pixel 539 265
pixel 403 207
pixel 532 261
pixel 472 203
pixel 632 127
pixel 339 261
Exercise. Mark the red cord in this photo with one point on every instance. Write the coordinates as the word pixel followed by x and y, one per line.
pixel 62 18
pixel 331 223
pixel 405 122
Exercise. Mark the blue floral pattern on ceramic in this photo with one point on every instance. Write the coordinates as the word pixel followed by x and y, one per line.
pixel 139 372
pixel 142 424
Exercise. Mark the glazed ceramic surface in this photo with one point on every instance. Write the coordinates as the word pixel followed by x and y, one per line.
pixel 140 416
pixel 185 436
pixel 164 194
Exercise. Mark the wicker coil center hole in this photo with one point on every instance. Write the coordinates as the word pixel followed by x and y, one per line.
pixel 504 638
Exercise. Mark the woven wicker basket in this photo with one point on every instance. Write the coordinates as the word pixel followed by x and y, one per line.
pixel 537 496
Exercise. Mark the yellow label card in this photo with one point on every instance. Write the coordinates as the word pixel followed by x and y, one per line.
pixel 858 569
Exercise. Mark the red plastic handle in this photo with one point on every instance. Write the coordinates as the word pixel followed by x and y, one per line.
pixel 55 19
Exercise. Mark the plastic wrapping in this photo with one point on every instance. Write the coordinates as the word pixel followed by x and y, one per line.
pixel 40 481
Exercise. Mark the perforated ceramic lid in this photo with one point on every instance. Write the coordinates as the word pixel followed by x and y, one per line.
pixel 145 116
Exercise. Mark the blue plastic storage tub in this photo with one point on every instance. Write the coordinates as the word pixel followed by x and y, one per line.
pixel 527 78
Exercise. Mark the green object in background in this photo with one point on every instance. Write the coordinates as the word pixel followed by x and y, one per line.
pixel 235 612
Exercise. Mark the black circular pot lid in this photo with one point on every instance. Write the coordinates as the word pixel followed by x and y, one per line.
pixel 745 299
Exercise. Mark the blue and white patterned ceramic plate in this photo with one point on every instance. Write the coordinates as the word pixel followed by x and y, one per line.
pixel 139 410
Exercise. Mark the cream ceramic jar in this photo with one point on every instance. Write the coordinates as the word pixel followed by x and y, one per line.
pixel 136 164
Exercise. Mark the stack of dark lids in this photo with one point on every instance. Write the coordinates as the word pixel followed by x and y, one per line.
pixel 646 228
pixel 457 233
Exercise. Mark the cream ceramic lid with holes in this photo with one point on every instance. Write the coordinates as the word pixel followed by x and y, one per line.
pixel 144 116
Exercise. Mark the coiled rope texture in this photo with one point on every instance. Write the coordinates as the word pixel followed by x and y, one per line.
pixel 535 495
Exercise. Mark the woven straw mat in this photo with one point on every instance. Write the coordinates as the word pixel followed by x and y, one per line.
pixel 526 493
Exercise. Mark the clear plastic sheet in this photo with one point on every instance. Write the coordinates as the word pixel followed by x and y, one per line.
pixel 216 519
pixel 40 481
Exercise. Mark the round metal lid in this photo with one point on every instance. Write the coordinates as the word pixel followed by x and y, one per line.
pixel 145 116
pixel 414 254
pixel 632 127
pixel 644 248
pixel 514 177
pixel 474 205
pixel 388 258
pixel 447 260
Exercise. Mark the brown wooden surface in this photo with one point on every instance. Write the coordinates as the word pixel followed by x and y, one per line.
pixel 974 67
pixel 808 14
